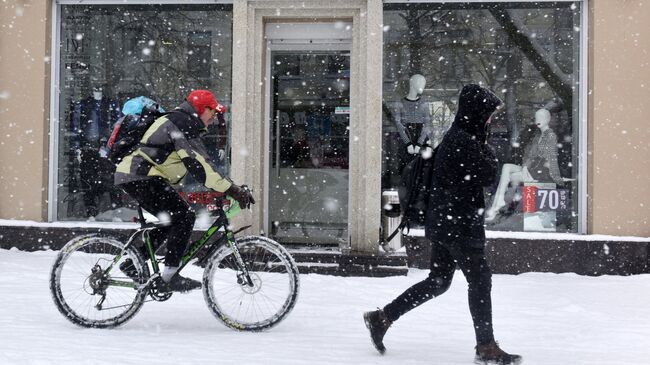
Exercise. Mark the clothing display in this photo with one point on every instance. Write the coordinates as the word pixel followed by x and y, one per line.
pixel 413 121
pixel 540 157
pixel 91 121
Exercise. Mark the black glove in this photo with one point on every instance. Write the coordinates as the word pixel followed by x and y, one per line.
pixel 242 195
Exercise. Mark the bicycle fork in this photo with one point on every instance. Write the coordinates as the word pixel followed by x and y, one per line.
pixel 243 277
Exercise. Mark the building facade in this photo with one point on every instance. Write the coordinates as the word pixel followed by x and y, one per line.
pixel 324 100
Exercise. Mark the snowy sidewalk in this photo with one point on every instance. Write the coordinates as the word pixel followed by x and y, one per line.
pixel 549 319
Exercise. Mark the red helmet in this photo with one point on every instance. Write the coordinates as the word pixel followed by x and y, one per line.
pixel 200 99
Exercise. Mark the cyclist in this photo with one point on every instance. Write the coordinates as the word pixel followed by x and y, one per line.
pixel 170 149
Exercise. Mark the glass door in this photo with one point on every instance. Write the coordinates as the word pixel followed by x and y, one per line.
pixel 309 146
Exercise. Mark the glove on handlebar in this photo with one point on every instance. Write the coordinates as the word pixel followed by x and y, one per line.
pixel 242 195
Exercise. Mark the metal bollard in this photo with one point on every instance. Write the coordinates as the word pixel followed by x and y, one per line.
pixel 390 220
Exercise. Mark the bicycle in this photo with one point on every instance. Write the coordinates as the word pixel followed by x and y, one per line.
pixel 249 283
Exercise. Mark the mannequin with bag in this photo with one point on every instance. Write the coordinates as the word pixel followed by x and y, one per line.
pixel 413 120
pixel 92 119
pixel 540 164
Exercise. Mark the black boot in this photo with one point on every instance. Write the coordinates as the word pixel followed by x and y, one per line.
pixel 377 323
pixel 491 354
pixel 178 284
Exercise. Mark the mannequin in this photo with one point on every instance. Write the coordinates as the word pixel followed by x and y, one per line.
pixel 539 164
pixel 97 94
pixel 93 117
pixel 92 121
pixel 417 83
pixel 412 117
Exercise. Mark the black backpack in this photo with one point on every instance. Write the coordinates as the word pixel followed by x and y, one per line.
pixel 128 132
pixel 414 189
pixel 413 192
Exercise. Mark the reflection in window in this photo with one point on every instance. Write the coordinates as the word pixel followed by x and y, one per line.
pixel 528 53
pixel 199 53
pixel 109 54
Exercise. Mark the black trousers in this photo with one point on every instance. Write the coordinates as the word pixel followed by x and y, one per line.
pixel 443 265
pixel 159 198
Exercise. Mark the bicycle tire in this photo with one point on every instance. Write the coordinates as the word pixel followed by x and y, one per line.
pixel 275 276
pixel 72 272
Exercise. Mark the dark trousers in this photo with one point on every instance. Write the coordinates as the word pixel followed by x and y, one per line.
pixel 159 198
pixel 443 264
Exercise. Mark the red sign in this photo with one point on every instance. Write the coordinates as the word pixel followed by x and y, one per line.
pixel 530 193
pixel 204 197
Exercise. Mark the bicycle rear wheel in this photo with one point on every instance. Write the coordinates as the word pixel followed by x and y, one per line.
pixel 89 296
pixel 258 307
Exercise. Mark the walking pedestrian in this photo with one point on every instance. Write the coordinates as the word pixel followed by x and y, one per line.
pixel 463 166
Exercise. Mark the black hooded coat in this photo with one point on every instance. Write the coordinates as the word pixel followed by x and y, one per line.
pixel 463 166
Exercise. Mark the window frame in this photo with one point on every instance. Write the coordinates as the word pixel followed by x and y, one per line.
pixel 583 80
pixel 55 79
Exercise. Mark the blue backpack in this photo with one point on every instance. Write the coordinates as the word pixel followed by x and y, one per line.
pixel 138 115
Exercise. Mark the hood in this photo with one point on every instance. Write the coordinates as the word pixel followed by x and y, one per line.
pixel 475 105
pixel 190 125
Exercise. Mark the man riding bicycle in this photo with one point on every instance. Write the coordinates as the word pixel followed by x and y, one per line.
pixel 170 149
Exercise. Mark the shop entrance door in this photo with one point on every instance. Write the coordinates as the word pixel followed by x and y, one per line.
pixel 309 145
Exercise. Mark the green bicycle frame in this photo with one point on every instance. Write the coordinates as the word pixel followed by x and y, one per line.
pixel 222 221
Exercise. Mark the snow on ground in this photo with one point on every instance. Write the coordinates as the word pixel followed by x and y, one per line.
pixel 548 318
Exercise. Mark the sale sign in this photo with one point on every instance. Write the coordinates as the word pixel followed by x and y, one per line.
pixel 540 202
pixel 543 197
pixel 529 195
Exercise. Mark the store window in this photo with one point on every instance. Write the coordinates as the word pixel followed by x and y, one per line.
pixel 526 52
pixel 112 53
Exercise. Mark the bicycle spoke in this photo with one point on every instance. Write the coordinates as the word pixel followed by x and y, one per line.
pixel 274 284
pixel 79 283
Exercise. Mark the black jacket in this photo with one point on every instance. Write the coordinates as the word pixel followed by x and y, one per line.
pixel 170 148
pixel 463 166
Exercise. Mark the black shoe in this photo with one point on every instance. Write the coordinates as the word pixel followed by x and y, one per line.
pixel 178 284
pixel 129 270
pixel 377 323
pixel 491 354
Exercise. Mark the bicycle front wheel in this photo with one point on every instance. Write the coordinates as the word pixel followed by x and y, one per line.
pixel 89 287
pixel 262 305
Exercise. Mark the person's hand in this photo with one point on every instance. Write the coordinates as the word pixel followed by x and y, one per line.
pixel 242 195
pixel 77 155
pixel 221 154
pixel 412 149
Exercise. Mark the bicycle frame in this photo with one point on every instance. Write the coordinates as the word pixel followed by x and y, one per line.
pixel 227 238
